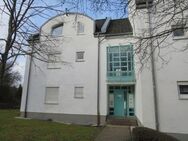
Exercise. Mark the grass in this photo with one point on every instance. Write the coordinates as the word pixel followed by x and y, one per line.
pixel 12 129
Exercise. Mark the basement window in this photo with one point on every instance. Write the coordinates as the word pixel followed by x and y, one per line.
pixel 183 90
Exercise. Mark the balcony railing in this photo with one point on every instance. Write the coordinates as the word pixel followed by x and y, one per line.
pixel 120 76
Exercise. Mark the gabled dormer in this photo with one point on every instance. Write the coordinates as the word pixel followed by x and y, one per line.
pixel 113 27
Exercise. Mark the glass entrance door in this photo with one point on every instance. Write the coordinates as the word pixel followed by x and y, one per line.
pixel 119 99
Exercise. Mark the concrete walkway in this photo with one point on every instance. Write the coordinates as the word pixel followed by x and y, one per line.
pixel 114 133
pixel 180 137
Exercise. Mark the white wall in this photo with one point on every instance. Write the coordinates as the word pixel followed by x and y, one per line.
pixel 138 95
pixel 145 110
pixel 71 74
pixel 173 112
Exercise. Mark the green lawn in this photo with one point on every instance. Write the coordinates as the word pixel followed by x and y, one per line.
pixel 12 129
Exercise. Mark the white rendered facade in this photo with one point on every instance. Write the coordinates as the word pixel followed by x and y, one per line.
pixel 84 74
pixel 172 111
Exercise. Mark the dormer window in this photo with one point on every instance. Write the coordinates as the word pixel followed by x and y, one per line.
pixel 80 27
pixel 141 4
pixel 57 30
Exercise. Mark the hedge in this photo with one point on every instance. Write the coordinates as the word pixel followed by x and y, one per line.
pixel 147 134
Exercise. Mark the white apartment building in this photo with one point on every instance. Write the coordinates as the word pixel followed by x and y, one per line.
pixel 100 75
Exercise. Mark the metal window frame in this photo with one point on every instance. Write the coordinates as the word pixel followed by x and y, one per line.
pixel 130 90
pixel 112 63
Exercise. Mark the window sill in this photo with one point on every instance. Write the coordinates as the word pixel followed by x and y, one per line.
pixel 50 68
pixel 53 37
pixel 79 97
pixel 180 37
pixel 80 60
pixel 183 97
pixel 51 103
pixel 80 34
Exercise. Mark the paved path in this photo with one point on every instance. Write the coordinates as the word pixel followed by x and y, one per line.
pixel 180 137
pixel 114 133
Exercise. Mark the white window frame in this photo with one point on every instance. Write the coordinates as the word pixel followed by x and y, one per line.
pixel 80 28
pixel 181 26
pixel 55 27
pixel 182 96
pixel 80 59
pixel 78 96
pixel 51 102
pixel 143 4
pixel 56 64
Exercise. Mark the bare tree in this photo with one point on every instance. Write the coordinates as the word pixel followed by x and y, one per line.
pixel 11 77
pixel 22 16
pixel 163 18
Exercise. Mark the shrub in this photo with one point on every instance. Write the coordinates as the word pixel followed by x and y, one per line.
pixel 10 97
pixel 147 134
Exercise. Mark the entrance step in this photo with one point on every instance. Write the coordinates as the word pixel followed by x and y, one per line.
pixel 126 121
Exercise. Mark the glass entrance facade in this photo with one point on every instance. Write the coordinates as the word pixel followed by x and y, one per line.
pixel 120 66
pixel 121 101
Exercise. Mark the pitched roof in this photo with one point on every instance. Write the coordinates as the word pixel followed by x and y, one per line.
pixel 116 27
pixel 98 25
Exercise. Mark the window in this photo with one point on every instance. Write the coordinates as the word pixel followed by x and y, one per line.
pixel 80 56
pixel 140 4
pixel 178 30
pixel 79 92
pixel 52 94
pixel 175 2
pixel 80 27
pixel 54 61
pixel 183 89
pixel 120 61
pixel 57 30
